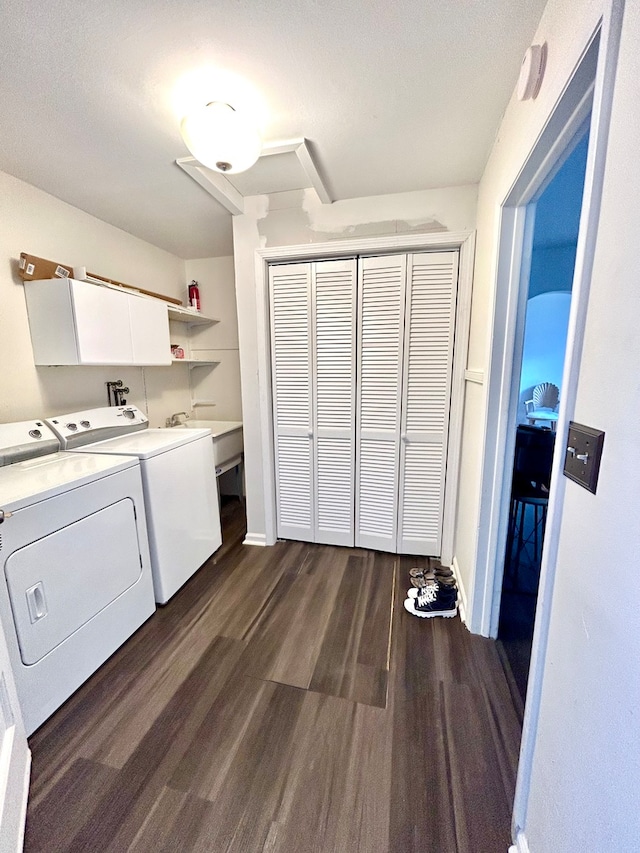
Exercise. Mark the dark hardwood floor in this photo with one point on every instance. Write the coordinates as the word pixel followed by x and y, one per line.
pixel 284 701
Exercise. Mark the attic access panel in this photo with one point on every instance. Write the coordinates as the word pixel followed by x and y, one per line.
pixel 292 168
pixel 271 174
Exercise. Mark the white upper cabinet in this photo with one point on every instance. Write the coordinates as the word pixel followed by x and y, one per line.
pixel 76 322
pixel 149 331
pixel 101 323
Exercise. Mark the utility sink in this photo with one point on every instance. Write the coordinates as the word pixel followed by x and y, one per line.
pixel 227 439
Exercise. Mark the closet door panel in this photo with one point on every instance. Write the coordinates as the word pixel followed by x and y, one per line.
pixel 291 342
pixel 295 487
pixel 334 321
pixel 380 338
pixel 377 493
pixel 428 359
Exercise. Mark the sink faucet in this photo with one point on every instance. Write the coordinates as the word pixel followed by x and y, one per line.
pixel 174 420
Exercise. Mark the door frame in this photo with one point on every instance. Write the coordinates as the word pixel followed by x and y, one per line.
pixel 588 89
pixel 464 243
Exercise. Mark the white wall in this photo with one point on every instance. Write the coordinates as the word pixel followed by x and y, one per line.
pixel 221 385
pixel 566 27
pixel 585 782
pixel 34 222
pixel 287 219
pixel 585 786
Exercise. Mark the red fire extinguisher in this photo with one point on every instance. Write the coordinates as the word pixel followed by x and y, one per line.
pixel 194 295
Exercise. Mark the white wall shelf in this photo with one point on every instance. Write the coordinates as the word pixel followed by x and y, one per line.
pixel 195 362
pixel 189 316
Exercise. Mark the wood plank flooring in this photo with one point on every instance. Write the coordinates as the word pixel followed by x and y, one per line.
pixel 284 702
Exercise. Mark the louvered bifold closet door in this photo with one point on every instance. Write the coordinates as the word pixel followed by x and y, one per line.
pixel 380 342
pixel 428 359
pixel 334 323
pixel 291 365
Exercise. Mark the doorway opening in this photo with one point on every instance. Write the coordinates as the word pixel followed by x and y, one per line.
pixel 555 217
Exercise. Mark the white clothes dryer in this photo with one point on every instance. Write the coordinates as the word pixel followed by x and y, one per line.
pixel 76 574
pixel 178 475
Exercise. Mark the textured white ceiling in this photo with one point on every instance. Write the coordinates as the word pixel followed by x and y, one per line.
pixel 393 97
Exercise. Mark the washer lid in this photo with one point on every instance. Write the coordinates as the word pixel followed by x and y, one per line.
pixel 147 443
pixel 25 483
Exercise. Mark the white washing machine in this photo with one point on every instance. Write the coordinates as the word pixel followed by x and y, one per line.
pixel 76 573
pixel 178 475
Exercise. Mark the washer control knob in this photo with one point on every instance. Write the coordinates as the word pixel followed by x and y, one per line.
pixel 35 433
pixel 72 427
pixel 129 413
pixel 85 424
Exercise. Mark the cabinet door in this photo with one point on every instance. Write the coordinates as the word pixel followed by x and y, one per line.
pixel 292 370
pixel 102 324
pixel 380 340
pixel 334 346
pixel 428 359
pixel 51 321
pixel 149 331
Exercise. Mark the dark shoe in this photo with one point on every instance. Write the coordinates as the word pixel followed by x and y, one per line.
pixel 417 572
pixel 443 588
pixel 419 583
pixel 438 572
pixel 432 601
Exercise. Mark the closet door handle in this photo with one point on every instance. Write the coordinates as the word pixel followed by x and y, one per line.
pixel 310 433
pixel 404 438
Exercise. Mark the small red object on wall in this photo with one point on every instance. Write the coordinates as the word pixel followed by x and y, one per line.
pixel 194 295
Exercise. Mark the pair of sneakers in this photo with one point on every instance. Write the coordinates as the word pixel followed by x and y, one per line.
pixel 433 593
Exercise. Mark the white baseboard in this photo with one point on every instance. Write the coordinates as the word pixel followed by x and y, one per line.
pixel 255 539
pixel 462 594
pixel 520 845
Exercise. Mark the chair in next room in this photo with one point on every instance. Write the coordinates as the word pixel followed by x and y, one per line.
pixel 543 405
pixel 528 508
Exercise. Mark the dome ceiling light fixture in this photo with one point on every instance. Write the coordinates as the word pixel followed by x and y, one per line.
pixel 221 138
